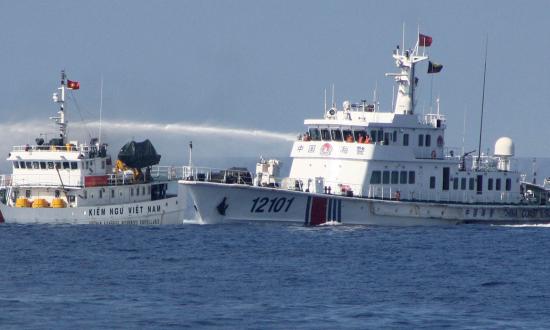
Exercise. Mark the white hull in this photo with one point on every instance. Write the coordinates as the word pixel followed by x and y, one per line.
pixel 167 211
pixel 219 203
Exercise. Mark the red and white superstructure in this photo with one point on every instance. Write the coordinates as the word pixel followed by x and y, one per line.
pixel 67 181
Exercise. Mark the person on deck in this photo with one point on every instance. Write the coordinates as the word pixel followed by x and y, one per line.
pixel 349 138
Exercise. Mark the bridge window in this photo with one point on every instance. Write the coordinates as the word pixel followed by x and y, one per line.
pixel 66 165
pixel 490 184
pixel 348 136
pixel 386 177
pixel 508 184
pixel 411 177
pixel 314 134
pixel 29 165
pixel 394 137
pixel 356 135
pixel 428 140
pixel 35 165
pixel 374 136
pixel 386 138
pixel 325 134
pixel 22 165
pixel 336 134
pixel 471 184
pixel 406 139
pixel 497 184
pixel 74 165
pixel 42 165
pixel 58 165
pixel 375 177
pixel 16 164
pixel 403 177
pixel 432 182
pixel 421 140
pixel 463 184
pixel 455 183
pixel 50 165
pixel 394 177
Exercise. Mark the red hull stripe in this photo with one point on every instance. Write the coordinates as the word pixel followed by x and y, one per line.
pixel 318 211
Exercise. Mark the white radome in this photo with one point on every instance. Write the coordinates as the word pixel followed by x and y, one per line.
pixel 504 147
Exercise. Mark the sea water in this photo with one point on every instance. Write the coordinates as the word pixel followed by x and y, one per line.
pixel 273 275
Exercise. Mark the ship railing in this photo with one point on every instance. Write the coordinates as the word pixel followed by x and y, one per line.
pixel 68 147
pixel 433 119
pixel 44 180
pixel 157 173
pixel 5 180
pixel 321 186
pixel 388 192
pixel 207 174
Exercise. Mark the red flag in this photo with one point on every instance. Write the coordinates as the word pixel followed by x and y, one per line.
pixel 73 84
pixel 424 40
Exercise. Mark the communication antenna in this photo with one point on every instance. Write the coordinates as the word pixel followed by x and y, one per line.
pixel 482 104
pixel 100 108
pixel 325 102
pixel 333 104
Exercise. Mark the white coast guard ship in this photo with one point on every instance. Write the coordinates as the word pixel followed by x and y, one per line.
pixel 65 181
pixel 358 165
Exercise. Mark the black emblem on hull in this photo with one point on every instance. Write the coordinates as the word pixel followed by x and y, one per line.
pixel 222 206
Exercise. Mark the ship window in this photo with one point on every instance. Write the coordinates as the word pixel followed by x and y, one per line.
pixel 57 165
pixel 411 177
pixel 386 138
pixel 394 177
pixel 43 165
pixel 356 134
pixel 102 164
pixel 386 177
pixel 508 184
pixel 325 134
pixel 403 177
pixel 28 193
pixel 137 191
pixel 71 199
pixel 421 140
pixel 314 134
pixel 85 194
pixel 463 184
pixel 490 184
pixel 336 134
pixel 497 184
pixel 74 165
pixel 35 165
pixel 23 165
pixel 57 194
pixel 100 193
pixel 455 183
pixel 374 136
pixel 112 193
pixel 406 139
pixel 432 182
pixel 348 136
pixel 87 165
pixel 50 165
pixel 428 140
pixel 471 184
pixel 380 135
pixel 66 165
pixel 29 165
pixel 16 164
pixel 131 191
pixel 394 138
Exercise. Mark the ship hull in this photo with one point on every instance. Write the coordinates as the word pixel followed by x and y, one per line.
pixel 222 203
pixel 159 212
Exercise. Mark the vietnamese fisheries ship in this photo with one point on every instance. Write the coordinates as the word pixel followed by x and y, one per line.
pixel 66 181
pixel 359 165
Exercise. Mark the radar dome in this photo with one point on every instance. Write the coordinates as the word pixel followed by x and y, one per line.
pixel 504 147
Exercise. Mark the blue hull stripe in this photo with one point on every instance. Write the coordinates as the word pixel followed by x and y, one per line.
pixel 308 206
pixel 339 210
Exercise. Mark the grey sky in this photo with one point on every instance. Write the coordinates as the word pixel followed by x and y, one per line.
pixel 264 64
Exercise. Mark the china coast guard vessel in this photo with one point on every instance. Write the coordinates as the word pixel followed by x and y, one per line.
pixel 66 181
pixel 358 165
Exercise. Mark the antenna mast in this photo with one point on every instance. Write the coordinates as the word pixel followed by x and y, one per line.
pixel 482 105
pixel 59 97
pixel 100 108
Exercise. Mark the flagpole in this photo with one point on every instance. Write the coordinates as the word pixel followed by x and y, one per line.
pixel 100 108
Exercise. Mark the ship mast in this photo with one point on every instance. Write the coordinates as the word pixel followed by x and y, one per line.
pixel 406 79
pixel 60 99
